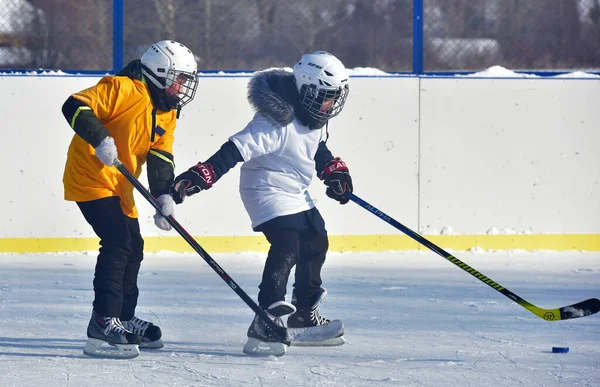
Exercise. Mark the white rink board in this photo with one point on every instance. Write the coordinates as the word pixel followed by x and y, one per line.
pixel 470 154
pixel 517 154
pixel 377 130
pixel 374 122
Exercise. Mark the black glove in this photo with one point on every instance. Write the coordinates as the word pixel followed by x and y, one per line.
pixel 337 178
pixel 199 177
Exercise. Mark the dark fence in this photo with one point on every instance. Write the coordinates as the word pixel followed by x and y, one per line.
pixel 413 36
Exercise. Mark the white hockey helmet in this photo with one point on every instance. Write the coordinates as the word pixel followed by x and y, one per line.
pixel 171 67
pixel 322 82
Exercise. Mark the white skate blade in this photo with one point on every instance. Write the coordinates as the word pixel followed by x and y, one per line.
pixel 335 342
pixel 94 348
pixel 255 347
pixel 320 333
pixel 158 344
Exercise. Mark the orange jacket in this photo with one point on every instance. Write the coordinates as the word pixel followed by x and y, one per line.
pixel 124 107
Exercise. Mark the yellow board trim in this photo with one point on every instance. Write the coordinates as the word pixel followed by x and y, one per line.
pixel 337 243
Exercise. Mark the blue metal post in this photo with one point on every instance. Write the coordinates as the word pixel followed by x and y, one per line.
pixel 118 35
pixel 418 36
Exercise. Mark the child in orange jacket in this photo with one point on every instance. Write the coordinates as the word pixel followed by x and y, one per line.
pixel 129 117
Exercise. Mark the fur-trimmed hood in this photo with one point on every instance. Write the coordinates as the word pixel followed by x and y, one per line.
pixel 273 94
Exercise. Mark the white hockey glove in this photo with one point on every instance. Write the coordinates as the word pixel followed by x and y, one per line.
pixel 106 151
pixel 167 208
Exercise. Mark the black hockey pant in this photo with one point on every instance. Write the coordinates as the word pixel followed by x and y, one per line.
pixel 296 240
pixel 121 253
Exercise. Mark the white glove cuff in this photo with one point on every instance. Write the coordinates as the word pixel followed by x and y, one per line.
pixel 106 151
pixel 167 205
pixel 161 222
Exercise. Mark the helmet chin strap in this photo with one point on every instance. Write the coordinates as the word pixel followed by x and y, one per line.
pixel 159 97
pixel 170 101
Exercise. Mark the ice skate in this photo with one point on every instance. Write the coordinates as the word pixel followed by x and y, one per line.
pixel 109 330
pixel 151 334
pixel 260 341
pixel 310 317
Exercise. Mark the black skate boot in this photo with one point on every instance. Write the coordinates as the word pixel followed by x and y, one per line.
pixel 310 316
pixel 109 330
pixel 261 342
pixel 151 334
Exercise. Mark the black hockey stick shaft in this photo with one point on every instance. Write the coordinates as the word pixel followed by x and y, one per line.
pixel 280 332
pixel 580 309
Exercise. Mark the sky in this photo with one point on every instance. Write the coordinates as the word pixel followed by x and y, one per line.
pixel 411 319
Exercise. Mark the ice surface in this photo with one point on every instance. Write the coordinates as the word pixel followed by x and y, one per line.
pixel 411 319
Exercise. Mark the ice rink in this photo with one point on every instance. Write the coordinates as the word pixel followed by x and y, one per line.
pixel 411 319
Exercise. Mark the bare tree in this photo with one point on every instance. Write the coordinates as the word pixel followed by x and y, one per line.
pixel 539 33
pixel 589 43
pixel 77 37
pixel 166 11
pixel 252 34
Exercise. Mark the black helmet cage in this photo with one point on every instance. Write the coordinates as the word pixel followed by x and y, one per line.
pixel 312 100
pixel 188 88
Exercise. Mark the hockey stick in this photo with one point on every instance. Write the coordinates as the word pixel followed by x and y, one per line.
pixel 580 309
pixel 279 333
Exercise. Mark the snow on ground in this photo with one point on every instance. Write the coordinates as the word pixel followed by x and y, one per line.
pixel 411 318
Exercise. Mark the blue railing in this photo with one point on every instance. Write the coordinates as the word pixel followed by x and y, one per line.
pixel 118 34
pixel 418 37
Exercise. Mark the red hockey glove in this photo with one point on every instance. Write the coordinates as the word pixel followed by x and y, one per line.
pixel 198 178
pixel 337 178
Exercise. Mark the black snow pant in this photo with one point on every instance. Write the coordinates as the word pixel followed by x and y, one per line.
pixel 121 253
pixel 296 240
